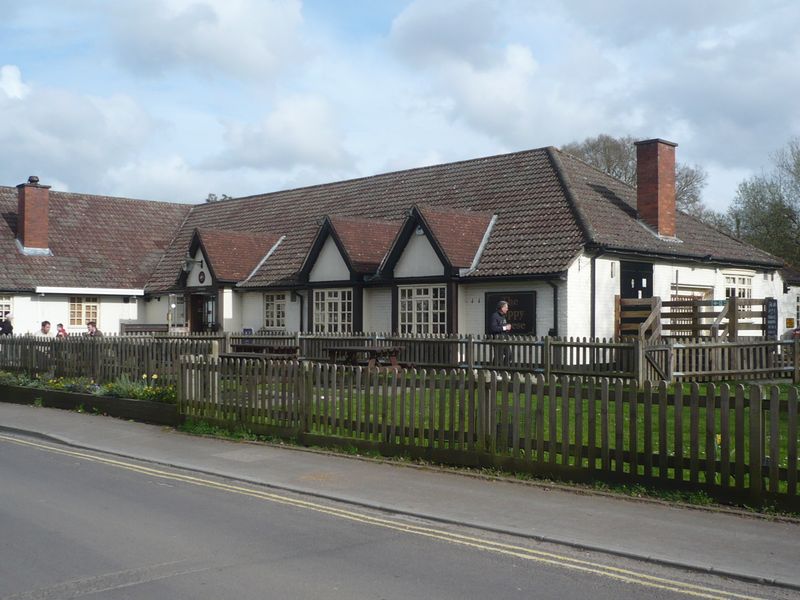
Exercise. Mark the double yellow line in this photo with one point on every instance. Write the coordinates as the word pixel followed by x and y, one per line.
pixel 519 552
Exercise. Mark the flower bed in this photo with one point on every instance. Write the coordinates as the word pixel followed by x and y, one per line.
pixel 123 399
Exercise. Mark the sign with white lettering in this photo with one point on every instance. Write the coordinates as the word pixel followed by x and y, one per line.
pixel 521 311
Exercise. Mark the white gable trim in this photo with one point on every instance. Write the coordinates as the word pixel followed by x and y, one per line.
pixel 82 291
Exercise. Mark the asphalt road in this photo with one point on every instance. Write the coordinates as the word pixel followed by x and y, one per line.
pixel 75 523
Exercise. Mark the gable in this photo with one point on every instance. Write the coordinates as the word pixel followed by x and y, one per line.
pixel 198 266
pixel 330 265
pixel 418 259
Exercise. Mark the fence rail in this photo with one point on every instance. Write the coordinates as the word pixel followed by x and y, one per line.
pixel 630 359
pixel 738 444
pixel 101 359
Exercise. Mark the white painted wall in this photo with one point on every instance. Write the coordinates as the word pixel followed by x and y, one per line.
pixel 29 310
pixel 419 259
pixel 229 310
pixel 251 306
pixel 377 310
pixel 330 265
pixel 787 309
pixel 472 308
pixel 192 280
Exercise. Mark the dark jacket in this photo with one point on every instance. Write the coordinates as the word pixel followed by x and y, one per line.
pixel 6 328
pixel 497 323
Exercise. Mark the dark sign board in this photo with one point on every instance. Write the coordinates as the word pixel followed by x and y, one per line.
pixel 771 318
pixel 521 311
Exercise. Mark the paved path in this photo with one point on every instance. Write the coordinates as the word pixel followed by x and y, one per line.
pixel 742 546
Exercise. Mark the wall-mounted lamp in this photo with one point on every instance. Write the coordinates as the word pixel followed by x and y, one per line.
pixel 188 261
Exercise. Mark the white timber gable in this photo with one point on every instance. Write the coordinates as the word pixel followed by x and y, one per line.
pixel 198 266
pixel 418 259
pixel 330 265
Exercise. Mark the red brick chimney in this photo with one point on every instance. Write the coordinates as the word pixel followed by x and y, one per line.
pixel 655 184
pixel 33 206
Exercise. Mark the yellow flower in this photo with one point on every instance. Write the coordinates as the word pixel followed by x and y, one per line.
pixel 144 376
pixel 719 439
pixel 154 376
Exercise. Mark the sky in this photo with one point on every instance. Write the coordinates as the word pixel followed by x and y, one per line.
pixel 176 99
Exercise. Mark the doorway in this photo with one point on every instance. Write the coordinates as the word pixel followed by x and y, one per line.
pixel 636 280
pixel 202 313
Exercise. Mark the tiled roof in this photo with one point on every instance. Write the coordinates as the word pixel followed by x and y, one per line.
pixel 96 241
pixel 548 207
pixel 459 233
pixel 535 233
pixel 365 241
pixel 607 209
pixel 233 255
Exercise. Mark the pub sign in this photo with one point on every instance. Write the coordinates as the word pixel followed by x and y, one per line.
pixel 521 311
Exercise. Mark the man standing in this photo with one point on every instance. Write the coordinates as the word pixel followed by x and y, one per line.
pixel 93 330
pixel 500 327
pixel 6 328
pixel 45 330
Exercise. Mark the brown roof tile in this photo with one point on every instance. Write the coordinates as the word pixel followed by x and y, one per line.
pixel 233 255
pixel 459 233
pixel 365 241
pixel 96 241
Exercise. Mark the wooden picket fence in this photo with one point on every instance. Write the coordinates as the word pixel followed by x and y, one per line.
pixel 100 359
pixel 736 443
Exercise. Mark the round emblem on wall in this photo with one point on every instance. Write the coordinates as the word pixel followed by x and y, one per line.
pixel 201 277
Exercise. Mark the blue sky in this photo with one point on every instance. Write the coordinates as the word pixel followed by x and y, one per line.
pixel 175 99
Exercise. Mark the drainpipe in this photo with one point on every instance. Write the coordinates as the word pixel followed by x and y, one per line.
pixel 555 308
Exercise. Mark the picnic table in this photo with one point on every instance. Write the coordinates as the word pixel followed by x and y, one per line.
pixel 350 355
pixel 273 349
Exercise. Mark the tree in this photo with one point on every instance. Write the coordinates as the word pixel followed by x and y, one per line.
pixel 766 209
pixel 214 198
pixel 617 157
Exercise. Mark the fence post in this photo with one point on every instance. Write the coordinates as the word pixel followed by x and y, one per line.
pixel 638 362
pixel 756 445
pixel 670 360
pixel 214 352
pixel 470 352
pixel 796 357
pixel 733 321
pixel 547 357
pixel 226 339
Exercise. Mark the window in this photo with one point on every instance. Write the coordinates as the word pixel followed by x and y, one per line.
pixel 5 305
pixel 275 311
pixel 423 309
pixel 83 309
pixel 740 286
pixel 333 311
pixel 797 313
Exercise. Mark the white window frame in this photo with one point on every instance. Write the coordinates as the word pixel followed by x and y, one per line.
pixel 333 310
pixel 6 305
pixel 422 309
pixel 275 310
pixel 739 285
pixel 83 309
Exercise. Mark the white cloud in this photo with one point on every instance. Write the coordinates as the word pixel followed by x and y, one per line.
pixel 302 130
pixel 249 39
pixel 60 135
pixel 11 82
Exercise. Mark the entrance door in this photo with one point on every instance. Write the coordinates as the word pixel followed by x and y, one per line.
pixel 636 280
pixel 197 304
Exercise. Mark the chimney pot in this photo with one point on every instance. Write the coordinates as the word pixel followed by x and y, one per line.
pixel 655 184
pixel 33 179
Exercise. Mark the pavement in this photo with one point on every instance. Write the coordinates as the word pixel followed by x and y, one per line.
pixel 729 543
